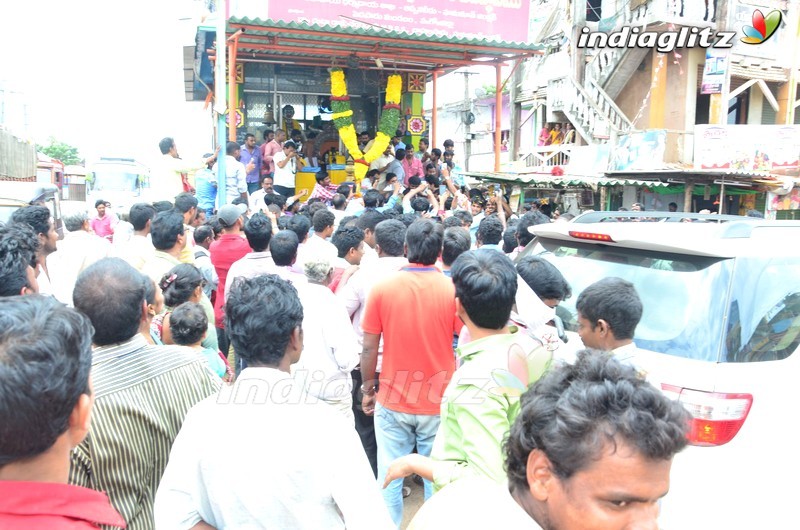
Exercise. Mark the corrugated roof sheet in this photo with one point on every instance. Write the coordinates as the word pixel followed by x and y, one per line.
pixel 564 180
pixel 355 35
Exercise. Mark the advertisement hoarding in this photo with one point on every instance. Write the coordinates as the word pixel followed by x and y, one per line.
pixel 746 147
pixel 493 20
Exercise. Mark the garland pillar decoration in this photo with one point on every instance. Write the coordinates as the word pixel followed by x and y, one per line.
pixel 343 120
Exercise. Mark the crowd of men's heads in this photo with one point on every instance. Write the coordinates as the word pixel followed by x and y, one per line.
pixel 578 424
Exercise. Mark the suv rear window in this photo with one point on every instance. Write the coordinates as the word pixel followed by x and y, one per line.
pixel 686 300
pixel 764 318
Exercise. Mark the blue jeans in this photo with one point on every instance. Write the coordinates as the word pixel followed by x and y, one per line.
pixel 396 434
pixel 253 186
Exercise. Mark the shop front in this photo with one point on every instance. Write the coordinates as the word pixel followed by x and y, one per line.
pixel 283 69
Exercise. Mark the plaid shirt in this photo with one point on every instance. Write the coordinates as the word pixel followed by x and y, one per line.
pixel 324 193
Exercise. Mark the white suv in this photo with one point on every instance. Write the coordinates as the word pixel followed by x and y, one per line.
pixel 720 330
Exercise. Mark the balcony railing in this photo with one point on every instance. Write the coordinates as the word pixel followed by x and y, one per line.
pixel 549 155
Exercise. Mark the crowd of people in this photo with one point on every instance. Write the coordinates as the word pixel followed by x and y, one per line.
pixel 278 364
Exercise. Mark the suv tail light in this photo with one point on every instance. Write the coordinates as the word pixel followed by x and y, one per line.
pixel 716 417
pixel 591 236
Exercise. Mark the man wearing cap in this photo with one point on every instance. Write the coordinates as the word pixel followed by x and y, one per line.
pixel 225 251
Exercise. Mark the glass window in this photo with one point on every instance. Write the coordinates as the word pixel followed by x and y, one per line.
pixel 684 297
pixel 115 180
pixel 764 318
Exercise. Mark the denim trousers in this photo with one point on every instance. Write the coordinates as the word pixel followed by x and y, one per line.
pixel 397 433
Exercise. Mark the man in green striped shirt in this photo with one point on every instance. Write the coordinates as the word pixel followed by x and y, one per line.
pixel 142 393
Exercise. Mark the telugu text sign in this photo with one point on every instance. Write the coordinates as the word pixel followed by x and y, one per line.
pixel 746 147
pixel 492 20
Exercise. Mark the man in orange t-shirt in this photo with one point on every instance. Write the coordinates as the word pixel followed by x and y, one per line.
pixel 418 361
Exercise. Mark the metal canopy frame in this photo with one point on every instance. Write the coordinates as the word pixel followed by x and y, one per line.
pixel 268 41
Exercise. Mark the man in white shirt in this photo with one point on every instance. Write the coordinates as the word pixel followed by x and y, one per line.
pixel 40 219
pixel 608 312
pixel 79 249
pixel 389 241
pixel 367 222
pixel 317 243
pixel 257 203
pixel 382 164
pixel 306 468
pixel 139 249
pixel 258 231
pixel 283 248
pixel 165 180
pixel 235 173
pixel 338 204
pixel 285 169
pixel 330 346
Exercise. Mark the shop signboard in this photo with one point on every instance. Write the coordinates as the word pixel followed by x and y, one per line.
pixel 640 151
pixel 714 71
pixel 492 20
pixel 747 147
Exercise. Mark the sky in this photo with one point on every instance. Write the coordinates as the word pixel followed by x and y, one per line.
pixel 107 76
pixel 104 76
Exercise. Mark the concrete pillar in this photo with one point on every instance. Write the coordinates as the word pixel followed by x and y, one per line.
pixel 755 105
pixel 785 97
pixel 687 197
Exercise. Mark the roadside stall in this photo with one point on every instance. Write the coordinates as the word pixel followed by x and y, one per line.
pixel 330 71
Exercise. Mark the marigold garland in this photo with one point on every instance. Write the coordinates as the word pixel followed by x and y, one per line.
pixel 342 119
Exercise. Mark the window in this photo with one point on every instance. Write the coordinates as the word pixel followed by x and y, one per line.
pixel 764 316
pixel 683 296
pixel 593 10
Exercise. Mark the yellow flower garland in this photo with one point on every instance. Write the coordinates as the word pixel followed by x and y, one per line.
pixel 379 145
pixel 338 84
pixel 394 87
pixel 347 131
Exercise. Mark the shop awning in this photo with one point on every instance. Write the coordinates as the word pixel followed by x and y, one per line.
pixel 315 45
pixel 546 179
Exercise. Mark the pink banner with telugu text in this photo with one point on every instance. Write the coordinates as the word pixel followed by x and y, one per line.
pixel 491 20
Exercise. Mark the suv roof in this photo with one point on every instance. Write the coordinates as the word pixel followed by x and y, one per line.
pixel 707 235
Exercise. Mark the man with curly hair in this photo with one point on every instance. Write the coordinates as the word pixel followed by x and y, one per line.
pixel 18 248
pixel 591 449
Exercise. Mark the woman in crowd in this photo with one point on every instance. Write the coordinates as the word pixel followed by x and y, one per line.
pixel 556 135
pixel 183 283
pixel 155 305
pixel 544 135
pixel 188 327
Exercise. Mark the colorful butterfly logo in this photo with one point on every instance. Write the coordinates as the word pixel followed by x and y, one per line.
pixel 763 27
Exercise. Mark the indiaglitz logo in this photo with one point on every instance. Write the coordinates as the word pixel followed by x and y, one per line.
pixel 663 42
pixel 763 27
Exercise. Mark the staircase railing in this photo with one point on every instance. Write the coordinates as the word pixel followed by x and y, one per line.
pixel 593 120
